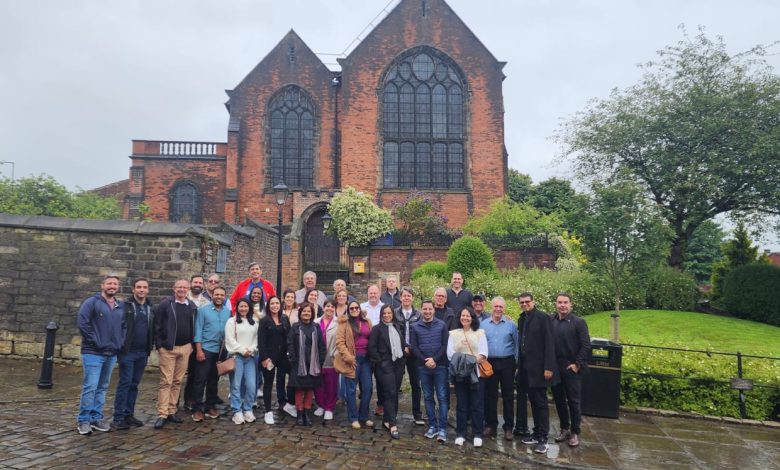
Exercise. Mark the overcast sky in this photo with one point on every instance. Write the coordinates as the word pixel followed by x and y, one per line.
pixel 79 79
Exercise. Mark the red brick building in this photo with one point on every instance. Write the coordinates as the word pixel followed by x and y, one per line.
pixel 416 105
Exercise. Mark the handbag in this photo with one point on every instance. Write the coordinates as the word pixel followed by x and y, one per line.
pixel 485 368
pixel 228 365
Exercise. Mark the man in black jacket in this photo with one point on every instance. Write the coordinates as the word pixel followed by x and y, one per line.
pixel 442 311
pixel 536 368
pixel 572 350
pixel 134 354
pixel 174 329
pixel 405 316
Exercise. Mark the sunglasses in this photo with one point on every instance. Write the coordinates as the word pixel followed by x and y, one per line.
pixel 354 308
pixel 212 281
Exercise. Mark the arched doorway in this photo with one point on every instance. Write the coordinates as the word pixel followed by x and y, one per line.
pixel 321 252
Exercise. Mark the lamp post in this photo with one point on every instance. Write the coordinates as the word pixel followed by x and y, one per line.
pixel 280 191
pixel 13 165
pixel 326 222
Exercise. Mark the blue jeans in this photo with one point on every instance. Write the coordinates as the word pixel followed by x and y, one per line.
pixel 471 404
pixel 97 374
pixel 131 369
pixel 243 384
pixel 362 375
pixel 435 381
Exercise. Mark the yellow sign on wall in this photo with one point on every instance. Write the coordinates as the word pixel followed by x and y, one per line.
pixel 359 267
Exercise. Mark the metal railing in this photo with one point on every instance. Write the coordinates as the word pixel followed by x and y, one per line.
pixel 738 383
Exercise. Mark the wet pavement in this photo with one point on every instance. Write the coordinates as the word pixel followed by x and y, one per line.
pixel 38 431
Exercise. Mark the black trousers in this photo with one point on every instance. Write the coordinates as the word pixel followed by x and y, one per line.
pixel 414 380
pixel 521 404
pixel 541 413
pixel 204 376
pixel 388 379
pixel 268 383
pixel 567 395
pixel 503 376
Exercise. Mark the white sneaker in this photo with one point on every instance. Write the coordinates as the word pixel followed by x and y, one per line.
pixel 238 417
pixel 319 411
pixel 269 417
pixel 477 442
pixel 289 408
pixel 328 416
pixel 249 417
pixel 459 441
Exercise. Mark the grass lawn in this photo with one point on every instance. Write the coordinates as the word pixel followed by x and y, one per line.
pixel 690 330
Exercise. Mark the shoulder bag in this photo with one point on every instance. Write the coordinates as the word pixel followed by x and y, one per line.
pixel 228 365
pixel 485 368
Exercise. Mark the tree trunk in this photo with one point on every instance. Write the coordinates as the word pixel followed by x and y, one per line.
pixel 677 251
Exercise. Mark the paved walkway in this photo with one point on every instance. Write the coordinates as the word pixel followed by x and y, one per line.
pixel 38 431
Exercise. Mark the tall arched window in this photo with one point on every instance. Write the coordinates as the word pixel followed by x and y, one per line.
pixel 185 203
pixel 423 109
pixel 292 125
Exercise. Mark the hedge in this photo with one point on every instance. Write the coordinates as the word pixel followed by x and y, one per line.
pixel 750 292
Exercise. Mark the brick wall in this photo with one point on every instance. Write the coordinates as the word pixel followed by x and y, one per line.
pixel 50 265
pixel 404 260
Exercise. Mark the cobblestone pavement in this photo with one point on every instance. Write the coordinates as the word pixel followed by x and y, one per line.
pixel 38 431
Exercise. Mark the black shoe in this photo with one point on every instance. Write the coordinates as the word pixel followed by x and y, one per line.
pixel 219 401
pixel 133 421
pixel 174 419
pixel 521 432
pixel 160 422
pixel 306 418
pixel 299 419
pixel 120 425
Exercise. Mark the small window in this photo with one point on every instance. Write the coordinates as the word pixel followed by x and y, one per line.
pixel 222 254
pixel 185 204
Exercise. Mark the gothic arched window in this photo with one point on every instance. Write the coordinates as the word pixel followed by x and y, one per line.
pixel 292 124
pixel 423 110
pixel 185 203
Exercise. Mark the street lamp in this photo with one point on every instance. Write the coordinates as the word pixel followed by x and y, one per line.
pixel 280 192
pixel 326 222
pixel 13 165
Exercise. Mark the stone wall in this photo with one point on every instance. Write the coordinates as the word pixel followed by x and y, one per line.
pixel 50 265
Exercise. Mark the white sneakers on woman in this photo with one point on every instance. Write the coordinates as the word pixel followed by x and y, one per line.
pixel 249 417
pixel 238 417
pixel 269 417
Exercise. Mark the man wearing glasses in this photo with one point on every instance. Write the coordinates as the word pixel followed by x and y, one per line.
pixel 536 370
pixel 211 284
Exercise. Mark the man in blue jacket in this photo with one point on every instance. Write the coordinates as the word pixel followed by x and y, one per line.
pixel 102 327
pixel 139 339
pixel 429 346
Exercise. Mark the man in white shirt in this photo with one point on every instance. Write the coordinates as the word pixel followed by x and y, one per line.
pixel 372 308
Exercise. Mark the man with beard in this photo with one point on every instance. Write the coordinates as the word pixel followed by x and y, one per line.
pixel 196 293
pixel 209 334
pixel 134 354
pixel 102 327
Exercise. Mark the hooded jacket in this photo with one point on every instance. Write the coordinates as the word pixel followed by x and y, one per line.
pixel 102 327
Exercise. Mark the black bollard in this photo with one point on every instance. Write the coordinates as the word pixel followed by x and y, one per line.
pixel 47 366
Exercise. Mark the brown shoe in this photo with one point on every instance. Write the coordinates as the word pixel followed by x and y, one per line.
pixel 562 435
pixel 574 440
pixel 508 435
pixel 197 416
pixel 380 411
pixel 488 432
pixel 212 413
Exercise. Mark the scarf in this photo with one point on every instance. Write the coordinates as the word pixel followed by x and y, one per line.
pixel 395 342
pixel 314 359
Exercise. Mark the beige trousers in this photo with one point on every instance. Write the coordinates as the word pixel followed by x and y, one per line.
pixel 173 366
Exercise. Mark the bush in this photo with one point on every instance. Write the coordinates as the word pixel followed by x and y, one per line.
pixel 424 286
pixel 432 268
pixel 357 221
pixel 470 254
pixel 669 289
pixel 697 383
pixel 749 292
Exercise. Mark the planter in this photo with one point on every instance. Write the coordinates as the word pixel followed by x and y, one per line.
pixel 358 250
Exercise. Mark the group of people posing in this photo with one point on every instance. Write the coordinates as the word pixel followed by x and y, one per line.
pixel 319 348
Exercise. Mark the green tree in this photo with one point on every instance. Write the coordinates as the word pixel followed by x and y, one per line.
pixel 624 236
pixel 509 219
pixel 699 134
pixel 357 220
pixel 520 186
pixel 420 219
pixel 468 255
pixel 704 251
pixel 739 251
pixel 43 195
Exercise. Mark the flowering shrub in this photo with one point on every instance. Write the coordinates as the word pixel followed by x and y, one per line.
pixel 357 220
pixel 420 219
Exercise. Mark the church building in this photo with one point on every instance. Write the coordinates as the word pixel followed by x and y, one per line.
pixel 416 105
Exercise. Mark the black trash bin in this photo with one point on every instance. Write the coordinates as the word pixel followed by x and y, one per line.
pixel 601 387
